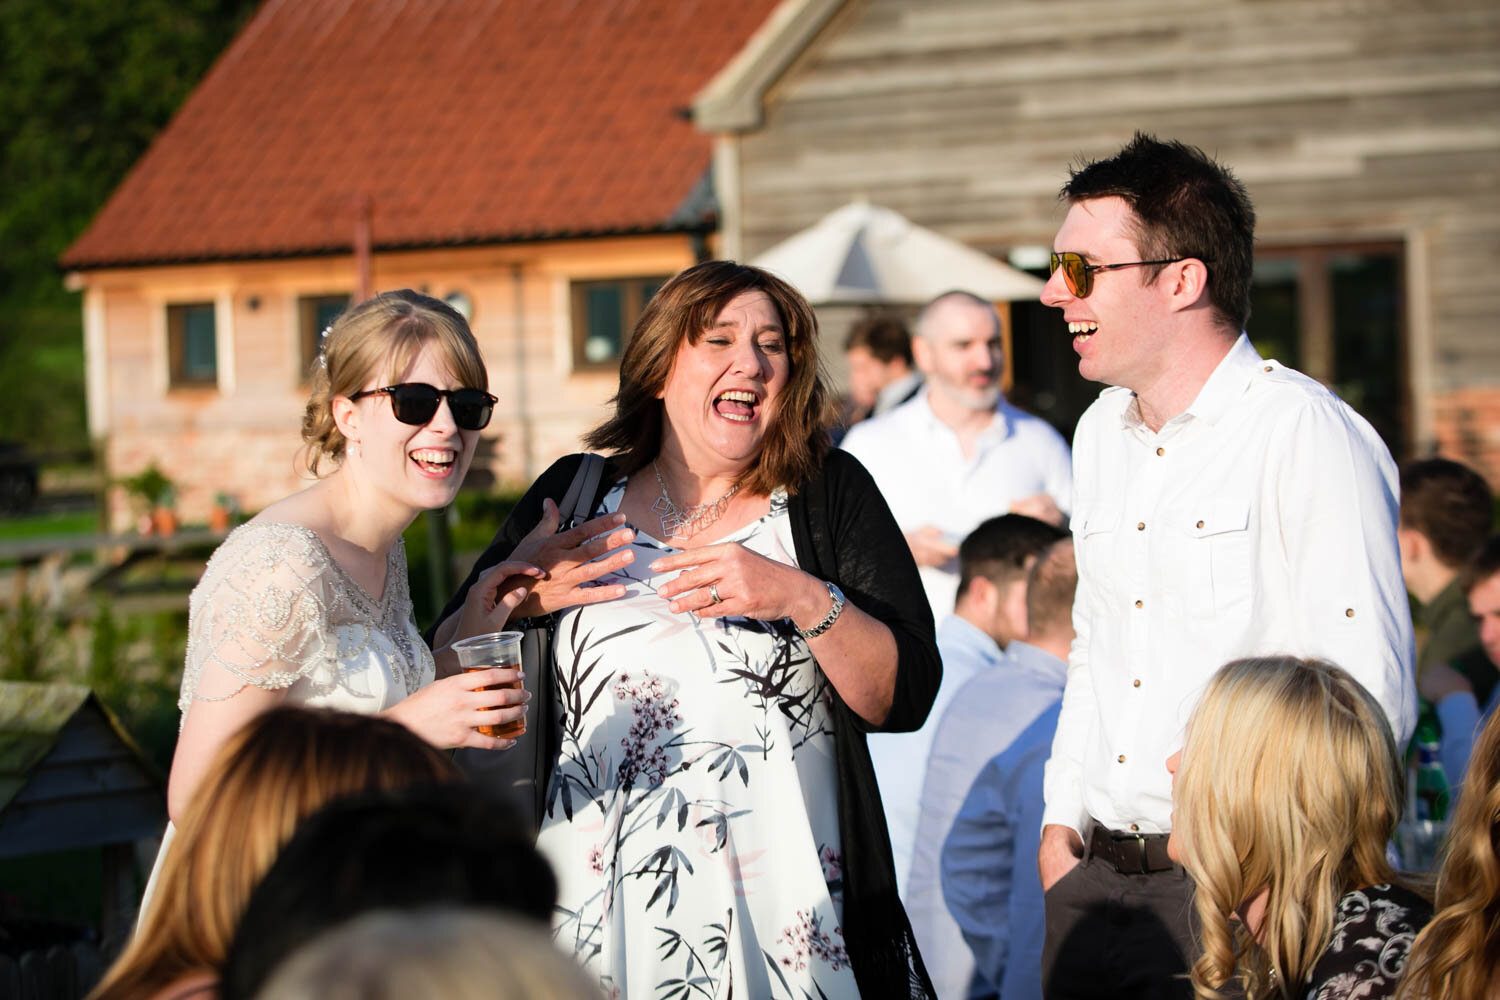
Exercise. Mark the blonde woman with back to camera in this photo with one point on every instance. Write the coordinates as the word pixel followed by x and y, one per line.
pixel 308 602
pixel 1285 797
pixel 1457 957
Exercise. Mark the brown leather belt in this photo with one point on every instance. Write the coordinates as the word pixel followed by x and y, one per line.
pixel 1130 853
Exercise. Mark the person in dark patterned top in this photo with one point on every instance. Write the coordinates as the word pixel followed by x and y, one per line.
pixel 1372 937
pixel 1284 798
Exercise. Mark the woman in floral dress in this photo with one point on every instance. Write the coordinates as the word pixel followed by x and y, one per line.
pixel 713 817
pixel 1284 799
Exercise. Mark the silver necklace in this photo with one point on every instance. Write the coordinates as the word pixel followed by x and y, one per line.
pixel 684 522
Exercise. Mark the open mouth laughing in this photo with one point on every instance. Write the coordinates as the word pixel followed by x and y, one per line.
pixel 434 462
pixel 1082 330
pixel 737 405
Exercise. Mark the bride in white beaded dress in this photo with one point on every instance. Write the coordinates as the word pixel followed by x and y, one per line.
pixel 308 602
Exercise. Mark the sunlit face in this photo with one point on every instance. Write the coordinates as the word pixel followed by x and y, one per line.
pixel 1178 836
pixel 421 467
pixel 961 354
pixel 868 375
pixel 1112 329
pixel 1484 605
pixel 721 395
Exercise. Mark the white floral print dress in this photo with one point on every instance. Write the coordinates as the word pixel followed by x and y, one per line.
pixel 692 818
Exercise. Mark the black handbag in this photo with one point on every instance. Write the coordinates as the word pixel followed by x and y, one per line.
pixel 522 773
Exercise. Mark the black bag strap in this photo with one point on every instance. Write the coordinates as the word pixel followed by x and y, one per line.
pixel 578 503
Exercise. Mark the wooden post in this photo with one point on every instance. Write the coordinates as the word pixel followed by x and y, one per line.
pixel 363 210
pixel 439 557
pixel 1008 375
pixel 1315 315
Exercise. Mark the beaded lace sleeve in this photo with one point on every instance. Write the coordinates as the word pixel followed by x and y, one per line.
pixel 259 615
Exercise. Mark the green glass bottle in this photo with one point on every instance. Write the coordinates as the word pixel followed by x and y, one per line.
pixel 1432 782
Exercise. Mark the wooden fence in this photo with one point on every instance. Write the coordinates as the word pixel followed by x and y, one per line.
pixel 56 973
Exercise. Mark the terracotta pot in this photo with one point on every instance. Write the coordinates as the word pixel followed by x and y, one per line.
pixel 218 519
pixel 164 521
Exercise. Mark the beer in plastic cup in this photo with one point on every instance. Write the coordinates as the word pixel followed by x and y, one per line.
pixel 493 649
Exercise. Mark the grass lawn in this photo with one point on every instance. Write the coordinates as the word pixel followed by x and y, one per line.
pixel 78 522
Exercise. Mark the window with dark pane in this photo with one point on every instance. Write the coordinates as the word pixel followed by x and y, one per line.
pixel 193 344
pixel 604 313
pixel 1337 314
pixel 316 313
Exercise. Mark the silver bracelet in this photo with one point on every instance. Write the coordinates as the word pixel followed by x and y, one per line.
pixel 828 619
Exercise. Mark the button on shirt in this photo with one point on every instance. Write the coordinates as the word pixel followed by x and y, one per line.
pixel 919 465
pixel 974 891
pixel 1261 520
pixel 900 759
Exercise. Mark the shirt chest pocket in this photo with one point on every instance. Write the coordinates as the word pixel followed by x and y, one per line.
pixel 1096 533
pixel 1209 552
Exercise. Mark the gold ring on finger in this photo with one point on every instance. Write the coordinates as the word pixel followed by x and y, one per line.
pixel 713 593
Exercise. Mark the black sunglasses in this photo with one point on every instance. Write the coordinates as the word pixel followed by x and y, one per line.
pixel 417 402
pixel 1080 275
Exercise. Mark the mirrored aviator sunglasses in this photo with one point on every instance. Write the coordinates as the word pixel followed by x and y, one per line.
pixel 1079 274
pixel 417 402
pixel 1075 272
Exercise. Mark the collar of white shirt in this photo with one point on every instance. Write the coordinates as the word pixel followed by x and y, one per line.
pixel 1227 383
pixel 999 429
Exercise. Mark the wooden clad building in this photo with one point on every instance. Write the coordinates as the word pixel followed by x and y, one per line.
pixel 1368 133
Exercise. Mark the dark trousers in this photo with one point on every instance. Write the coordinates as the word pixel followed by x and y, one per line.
pixel 1118 936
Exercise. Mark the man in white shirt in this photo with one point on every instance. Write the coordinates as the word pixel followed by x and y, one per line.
pixel 991 612
pixel 1225 506
pixel 959 453
pixel 975 901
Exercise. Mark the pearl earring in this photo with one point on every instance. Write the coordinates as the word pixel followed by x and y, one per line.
pixel 354 449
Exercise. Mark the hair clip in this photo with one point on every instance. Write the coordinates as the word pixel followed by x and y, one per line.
pixel 323 347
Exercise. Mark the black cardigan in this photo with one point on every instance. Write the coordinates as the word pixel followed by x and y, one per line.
pixel 842 531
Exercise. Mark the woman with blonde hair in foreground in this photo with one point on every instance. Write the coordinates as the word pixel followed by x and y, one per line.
pixel 461 954
pixel 1285 797
pixel 1457 957
pixel 282 766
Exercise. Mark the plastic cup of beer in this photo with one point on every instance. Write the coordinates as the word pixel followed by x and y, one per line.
pixel 493 649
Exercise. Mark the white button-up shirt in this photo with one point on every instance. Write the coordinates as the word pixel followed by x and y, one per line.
pixel 920 467
pixel 1261 520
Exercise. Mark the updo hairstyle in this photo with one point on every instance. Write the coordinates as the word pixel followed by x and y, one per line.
pixel 376 341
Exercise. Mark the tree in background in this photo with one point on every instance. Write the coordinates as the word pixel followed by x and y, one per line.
pixel 85 85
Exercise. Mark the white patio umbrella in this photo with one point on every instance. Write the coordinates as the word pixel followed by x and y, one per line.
pixel 865 254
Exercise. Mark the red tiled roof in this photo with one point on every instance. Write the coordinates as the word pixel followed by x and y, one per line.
pixel 464 121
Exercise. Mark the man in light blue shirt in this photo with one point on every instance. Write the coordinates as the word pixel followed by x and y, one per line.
pixel 975 897
pixel 990 612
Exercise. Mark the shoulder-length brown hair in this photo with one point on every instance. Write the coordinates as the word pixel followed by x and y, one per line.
pixel 273 772
pixel 684 309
